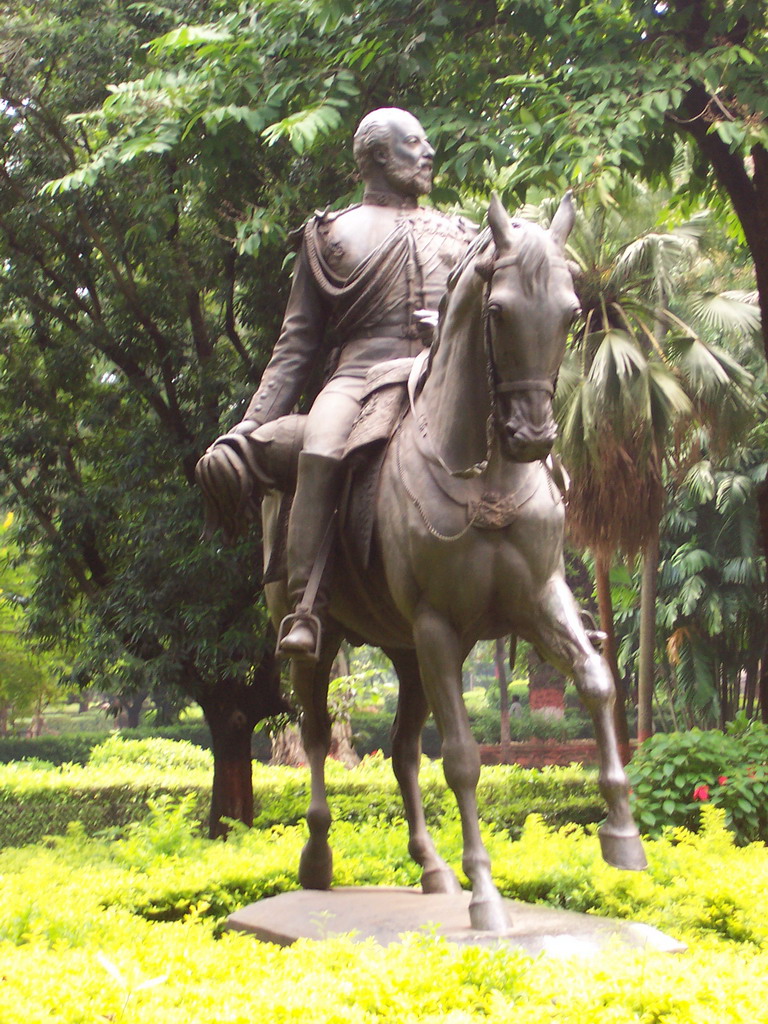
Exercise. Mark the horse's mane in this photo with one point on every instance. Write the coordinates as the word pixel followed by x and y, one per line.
pixel 476 248
pixel 531 253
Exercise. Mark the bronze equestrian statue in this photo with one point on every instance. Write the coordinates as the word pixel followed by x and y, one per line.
pixel 466 538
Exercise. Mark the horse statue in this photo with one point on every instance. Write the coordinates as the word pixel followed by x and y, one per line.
pixel 466 545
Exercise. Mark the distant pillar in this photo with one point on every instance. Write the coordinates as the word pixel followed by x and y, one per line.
pixel 546 688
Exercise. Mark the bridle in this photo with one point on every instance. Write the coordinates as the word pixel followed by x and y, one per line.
pixel 496 387
pixel 499 386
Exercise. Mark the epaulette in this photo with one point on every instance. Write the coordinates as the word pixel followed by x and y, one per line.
pixel 320 219
pixel 296 237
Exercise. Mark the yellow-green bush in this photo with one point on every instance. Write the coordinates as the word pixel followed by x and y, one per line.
pixel 76 944
pixel 124 774
pixel 35 802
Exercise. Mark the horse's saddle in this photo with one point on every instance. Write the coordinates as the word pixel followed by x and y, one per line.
pixel 383 404
pixel 238 468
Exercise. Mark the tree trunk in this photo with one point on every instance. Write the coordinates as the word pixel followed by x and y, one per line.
pixel 500 663
pixel 133 708
pixel 232 790
pixel 342 747
pixel 605 608
pixel 762 506
pixel 725 704
pixel 750 689
pixel 287 748
pixel 231 710
pixel 646 665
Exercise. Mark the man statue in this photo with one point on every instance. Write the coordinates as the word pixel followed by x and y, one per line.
pixel 362 276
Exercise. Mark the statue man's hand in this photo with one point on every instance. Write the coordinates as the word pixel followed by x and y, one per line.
pixel 426 321
pixel 244 427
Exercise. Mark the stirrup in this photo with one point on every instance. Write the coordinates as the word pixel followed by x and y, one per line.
pixel 307 618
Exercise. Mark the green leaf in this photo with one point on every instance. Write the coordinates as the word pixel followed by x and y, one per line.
pixel 188 36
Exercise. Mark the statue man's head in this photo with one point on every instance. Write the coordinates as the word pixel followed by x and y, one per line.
pixel 393 152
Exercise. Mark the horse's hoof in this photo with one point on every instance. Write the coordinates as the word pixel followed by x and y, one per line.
pixel 440 880
pixel 622 851
pixel 316 866
pixel 488 916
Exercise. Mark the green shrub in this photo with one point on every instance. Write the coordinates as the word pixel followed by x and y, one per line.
pixel 153 752
pixel 674 774
pixel 75 748
pixel 506 795
pixel 35 802
pixel 68 748
pixel 486 726
pixel 124 775
pixel 371 728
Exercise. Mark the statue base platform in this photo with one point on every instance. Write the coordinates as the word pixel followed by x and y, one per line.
pixel 385 914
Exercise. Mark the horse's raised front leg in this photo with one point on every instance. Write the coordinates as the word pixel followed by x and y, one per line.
pixel 440 659
pixel 412 712
pixel 562 640
pixel 310 685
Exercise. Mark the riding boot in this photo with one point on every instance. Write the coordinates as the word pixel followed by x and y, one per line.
pixel 314 504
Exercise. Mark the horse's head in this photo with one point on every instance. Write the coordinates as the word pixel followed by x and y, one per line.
pixel 529 305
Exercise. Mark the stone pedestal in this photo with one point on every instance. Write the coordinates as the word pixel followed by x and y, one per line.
pixel 385 914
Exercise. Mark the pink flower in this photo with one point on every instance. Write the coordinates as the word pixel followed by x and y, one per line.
pixel 722 779
pixel 701 792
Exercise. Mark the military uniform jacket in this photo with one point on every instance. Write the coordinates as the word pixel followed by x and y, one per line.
pixel 355 321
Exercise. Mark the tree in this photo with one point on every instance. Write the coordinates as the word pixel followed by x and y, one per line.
pixel 638 377
pixel 616 86
pixel 117 359
pixel 710 613
pixel 26 679
pixel 136 320
pixel 710 607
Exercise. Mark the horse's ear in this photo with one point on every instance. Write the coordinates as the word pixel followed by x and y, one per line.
pixel 498 222
pixel 563 220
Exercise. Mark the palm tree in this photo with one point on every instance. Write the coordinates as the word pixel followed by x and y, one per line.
pixel 637 376
pixel 711 608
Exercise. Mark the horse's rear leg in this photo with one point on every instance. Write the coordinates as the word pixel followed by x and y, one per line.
pixel 412 712
pixel 310 685
pixel 563 641
pixel 440 658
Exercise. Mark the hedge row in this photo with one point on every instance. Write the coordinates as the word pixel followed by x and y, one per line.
pixel 370 730
pixel 34 804
pixel 75 748
pixel 109 794
pixel 507 794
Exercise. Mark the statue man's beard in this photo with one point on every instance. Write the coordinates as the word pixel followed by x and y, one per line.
pixel 410 181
